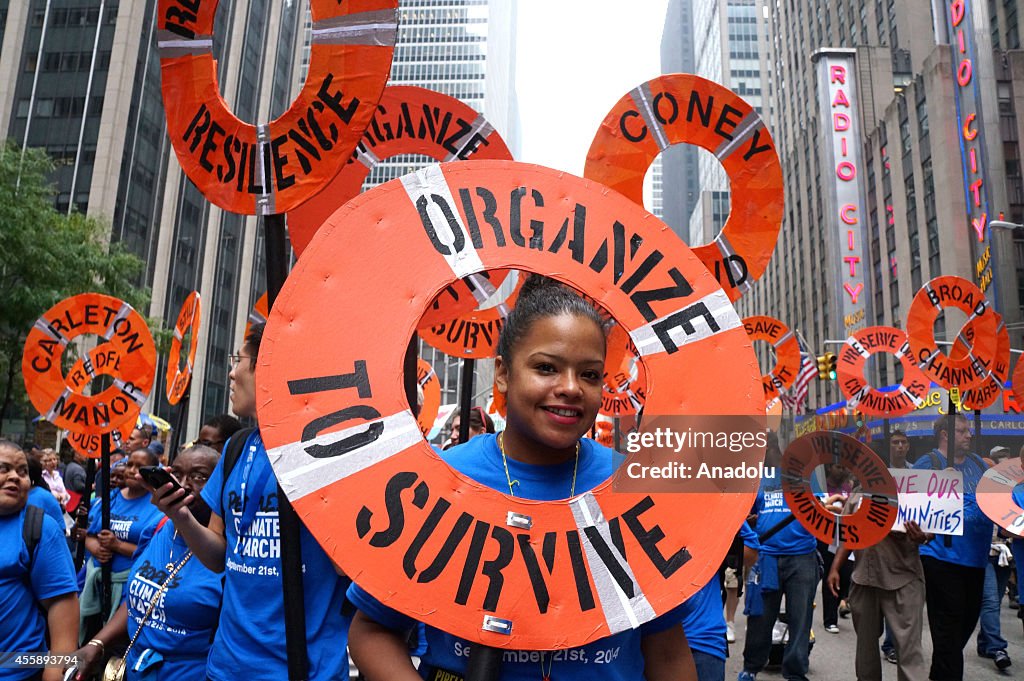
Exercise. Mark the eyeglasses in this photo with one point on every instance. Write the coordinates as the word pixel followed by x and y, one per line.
pixel 195 477
pixel 233 360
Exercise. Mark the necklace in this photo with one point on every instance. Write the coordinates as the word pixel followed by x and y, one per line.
pixel 508 477
pixel 546 676
pixel 170 555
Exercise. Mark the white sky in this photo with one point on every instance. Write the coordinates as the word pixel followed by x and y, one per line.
pixel 576 58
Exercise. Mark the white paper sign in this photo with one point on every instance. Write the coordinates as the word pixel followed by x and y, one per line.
pixel 932 499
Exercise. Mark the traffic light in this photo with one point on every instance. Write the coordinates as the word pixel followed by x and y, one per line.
pixel 827 366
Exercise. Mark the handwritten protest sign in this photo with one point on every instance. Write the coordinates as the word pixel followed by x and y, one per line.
pixel 932 499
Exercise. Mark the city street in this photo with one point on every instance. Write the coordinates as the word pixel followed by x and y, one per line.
pixel 833 655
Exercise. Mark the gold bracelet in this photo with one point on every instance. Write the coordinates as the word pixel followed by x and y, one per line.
pixel 97 642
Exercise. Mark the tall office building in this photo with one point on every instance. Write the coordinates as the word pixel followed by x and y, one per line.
pixel 897 128
pixel 82 80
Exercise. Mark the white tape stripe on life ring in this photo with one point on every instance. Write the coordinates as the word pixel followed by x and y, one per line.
pixel 620 611
pixel 133 392
pixel 855 399
pixel 178 335
pixel 742 132
pixel 856 346
pixel 172 45
pixel 366 156
pixel 479 128
pixel 431 180
pixel 727 251
pixel 43 325
pixel 481 287
pixel 265 202
pixel 301 474
pixel 642 98
pixel 51 413
pixel 718 304
pixel 378 27
pixel 904 351
pixel 911 396
pixel 122 313
pixel 426 379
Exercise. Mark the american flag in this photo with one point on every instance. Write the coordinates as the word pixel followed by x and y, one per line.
pixel 794 398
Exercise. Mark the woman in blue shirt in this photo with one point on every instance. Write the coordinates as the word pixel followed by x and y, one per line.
pixel 550 366
pixel 174 640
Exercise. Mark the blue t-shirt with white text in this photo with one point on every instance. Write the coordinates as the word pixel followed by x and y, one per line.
pixel 616 657
pixel 250 637
pixel 176 638
pixel 22 626
pixel 771 509
pixel 129 519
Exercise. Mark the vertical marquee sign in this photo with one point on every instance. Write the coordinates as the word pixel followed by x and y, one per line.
pixel 837 96
pixel 962 16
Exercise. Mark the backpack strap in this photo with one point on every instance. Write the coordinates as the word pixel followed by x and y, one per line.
pixel 232 452
pixel 32 532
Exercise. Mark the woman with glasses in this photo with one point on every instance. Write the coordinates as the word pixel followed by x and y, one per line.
pixel 172 640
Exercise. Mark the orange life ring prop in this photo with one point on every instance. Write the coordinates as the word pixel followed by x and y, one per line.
pixel 625 381
pixel 129 347
pixel 683 108
pixel 787 353
pixel 985 394
pixel 274 167
pixel 870 523
pixel 408 120
pixel 178 378
pixel 349 454
pixel 860 394
pixel 995 495
pixel 90 445
pixel 431 386
pixel 946 370
pixel 472 335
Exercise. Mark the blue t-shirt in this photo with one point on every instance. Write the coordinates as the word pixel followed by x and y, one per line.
pixel 22 626
pixel 250 635
pixel 749 537
pixel 970 549
pixel 129 519
pixel 612 658
pixel 44 499
pixel 704 621
pixel 180 629
pixel 771 508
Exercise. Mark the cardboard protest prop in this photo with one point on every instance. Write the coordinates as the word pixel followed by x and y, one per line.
pixel 408 120
pixel 178 377
pixel 866 526
pixel 966 371
pixel 129 356
pixel 985 394
pixel 787 353
pixel 625 382
pixel 427 379
pixel 273 167
pixel 931 498
pixel 995 495
pixel 471 334
pixel 683 108
pixel 861 395
pixel 422 538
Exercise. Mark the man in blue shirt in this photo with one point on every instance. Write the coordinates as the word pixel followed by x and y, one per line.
pixel 788 564
pixel 954 566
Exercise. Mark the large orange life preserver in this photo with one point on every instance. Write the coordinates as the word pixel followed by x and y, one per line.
pixel 683 108
pixel 178 378
pixel 995 495
pixel 985 394
pixel 862 395
pixel 409 120
pixel 130 357
pixel 787 353
pixel 401 522
pixel 427 379
pixel 870 523
pixel 274 167
pixel 945 370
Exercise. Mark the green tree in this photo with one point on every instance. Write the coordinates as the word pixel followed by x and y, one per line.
pixel 46 256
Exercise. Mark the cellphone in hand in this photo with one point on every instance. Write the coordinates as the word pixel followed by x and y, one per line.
pixel 157 477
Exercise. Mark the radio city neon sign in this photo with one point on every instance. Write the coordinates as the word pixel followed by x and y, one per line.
pixel 846 171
